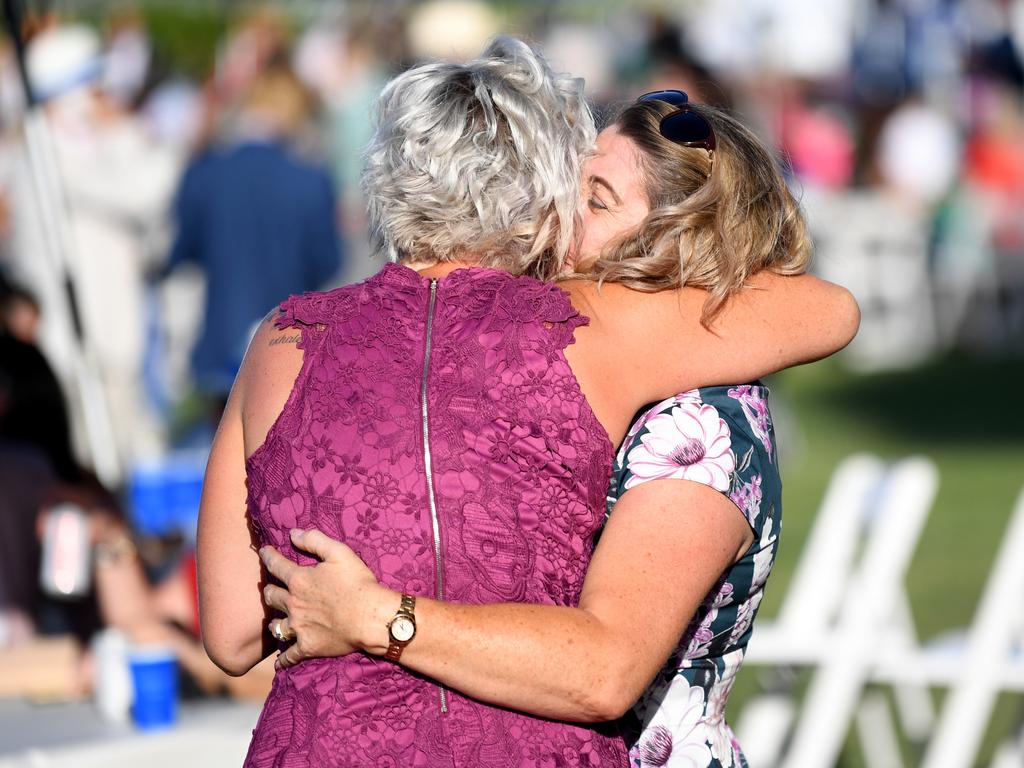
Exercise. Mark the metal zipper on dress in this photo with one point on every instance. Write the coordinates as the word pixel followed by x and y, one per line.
pixel 427 464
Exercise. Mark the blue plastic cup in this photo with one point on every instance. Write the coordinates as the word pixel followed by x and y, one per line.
pixel 149 492
pixel 155 680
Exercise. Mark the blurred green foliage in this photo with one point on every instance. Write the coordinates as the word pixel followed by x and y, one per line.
pixel 186 38
pixel 185 35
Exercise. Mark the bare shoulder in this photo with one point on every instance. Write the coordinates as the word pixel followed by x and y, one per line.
pixel 268 373
pixel 581 294
pixel 272 350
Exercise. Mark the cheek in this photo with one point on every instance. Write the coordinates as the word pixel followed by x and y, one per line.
pixel 600 230
pixel 590 242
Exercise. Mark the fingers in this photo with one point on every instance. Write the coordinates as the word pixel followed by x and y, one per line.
pixel 289 657
pixel 315 542
pixel 279 565
pixel 281 630
pixel 275 597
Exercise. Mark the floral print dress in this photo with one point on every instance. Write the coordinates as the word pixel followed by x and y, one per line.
pixel 722 437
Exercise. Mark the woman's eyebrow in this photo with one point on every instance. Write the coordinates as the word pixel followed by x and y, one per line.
pixel 611 190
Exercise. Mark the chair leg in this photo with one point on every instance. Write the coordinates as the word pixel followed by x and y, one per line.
pixel 914 704
pixel 876 732
pixel 764 726
pixel 836 687
pixel 990 645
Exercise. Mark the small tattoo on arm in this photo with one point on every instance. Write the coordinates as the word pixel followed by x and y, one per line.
pixel 286 339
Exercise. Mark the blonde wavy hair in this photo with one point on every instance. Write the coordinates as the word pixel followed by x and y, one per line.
pixel 479 161
pixel 713 222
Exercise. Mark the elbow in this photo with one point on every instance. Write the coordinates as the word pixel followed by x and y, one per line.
pixel 234 659
pixel 609 698
pixel 847 317
pixel 838 315
pixel 610 706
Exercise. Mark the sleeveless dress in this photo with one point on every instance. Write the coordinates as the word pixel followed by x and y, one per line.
pixel 722 437
pixel 436 428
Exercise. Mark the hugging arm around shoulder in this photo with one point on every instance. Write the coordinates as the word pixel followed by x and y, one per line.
pixel 773 323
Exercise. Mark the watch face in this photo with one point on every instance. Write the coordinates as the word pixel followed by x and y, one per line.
pixel 403 628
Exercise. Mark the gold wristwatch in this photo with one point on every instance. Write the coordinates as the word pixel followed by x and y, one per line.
pixel 402 628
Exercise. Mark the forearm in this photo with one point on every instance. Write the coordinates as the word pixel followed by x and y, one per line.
pixel 549 661
pixel 805 317
pixel 589 663
pixel 585 664
pixel 230 576
pixel 236 654
pixel 232 617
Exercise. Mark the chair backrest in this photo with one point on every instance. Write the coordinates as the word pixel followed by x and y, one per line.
pixel 881 253
pixel 995 645
pixel 860 544
pixel 870 601
pixel 819 582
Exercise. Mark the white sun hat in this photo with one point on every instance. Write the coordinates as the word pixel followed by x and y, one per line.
pixel 63 59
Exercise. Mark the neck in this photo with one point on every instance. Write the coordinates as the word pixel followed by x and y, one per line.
pixel 439 268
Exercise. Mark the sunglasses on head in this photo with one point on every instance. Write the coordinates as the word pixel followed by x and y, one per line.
pixel 683 125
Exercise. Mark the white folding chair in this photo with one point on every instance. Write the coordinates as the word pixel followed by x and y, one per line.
pixel 846 654
pixel 991 661
pixel 1010 754
pixel 880 252
pixel 811 601
pixel 838 610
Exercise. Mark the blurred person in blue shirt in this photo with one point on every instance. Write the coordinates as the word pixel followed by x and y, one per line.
pixel 259 220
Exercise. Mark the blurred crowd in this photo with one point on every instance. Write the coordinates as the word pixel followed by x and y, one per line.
pixel 152 212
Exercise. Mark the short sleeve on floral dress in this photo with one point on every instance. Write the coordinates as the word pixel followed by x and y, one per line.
pixel 722 437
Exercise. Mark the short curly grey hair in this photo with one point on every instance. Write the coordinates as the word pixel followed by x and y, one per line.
pixel 479 161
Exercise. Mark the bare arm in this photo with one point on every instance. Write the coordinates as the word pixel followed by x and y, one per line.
pixel 774 323
pixel 232 613
pixel 662 551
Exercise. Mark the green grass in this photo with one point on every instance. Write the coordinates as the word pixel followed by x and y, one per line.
pixel 959 412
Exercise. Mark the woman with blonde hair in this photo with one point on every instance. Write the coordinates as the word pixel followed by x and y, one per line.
pixel 440 420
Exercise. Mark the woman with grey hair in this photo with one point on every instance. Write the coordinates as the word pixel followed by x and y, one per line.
pixel 436 419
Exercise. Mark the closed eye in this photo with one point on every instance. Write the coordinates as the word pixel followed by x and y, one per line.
pixel 600 182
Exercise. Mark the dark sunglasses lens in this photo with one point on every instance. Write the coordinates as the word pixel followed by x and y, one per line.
pixel 675 98
pixel 685 127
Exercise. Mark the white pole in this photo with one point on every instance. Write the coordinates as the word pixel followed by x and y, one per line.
pixel 61 261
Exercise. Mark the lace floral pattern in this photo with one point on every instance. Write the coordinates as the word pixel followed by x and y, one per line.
pixel 520 467
pixel 721 437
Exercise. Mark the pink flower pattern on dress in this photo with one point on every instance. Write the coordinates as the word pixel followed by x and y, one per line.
pixel 755 408
pixel 690 442
pixel 748 498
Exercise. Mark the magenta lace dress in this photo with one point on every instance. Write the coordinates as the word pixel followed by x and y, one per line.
pixel 437 429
